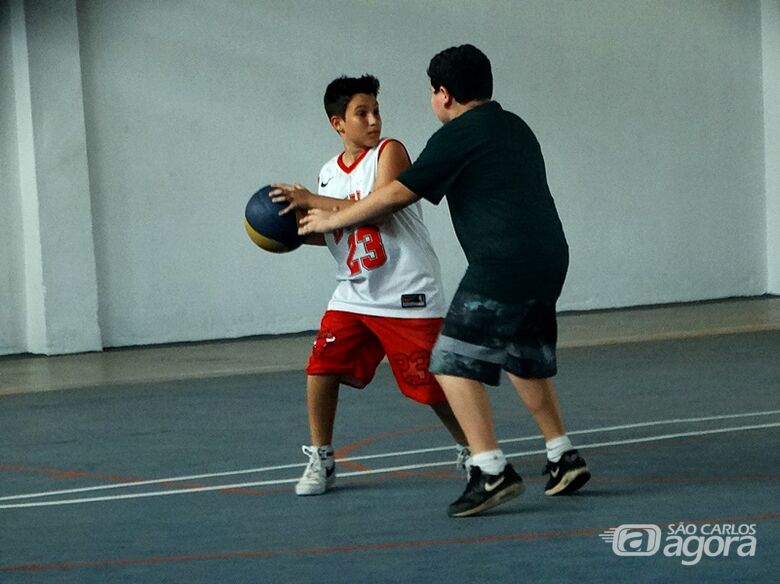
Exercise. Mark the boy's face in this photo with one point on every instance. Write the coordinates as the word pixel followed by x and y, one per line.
pixel 361 126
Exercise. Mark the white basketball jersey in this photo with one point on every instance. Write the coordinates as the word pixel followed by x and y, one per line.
pixel 385 270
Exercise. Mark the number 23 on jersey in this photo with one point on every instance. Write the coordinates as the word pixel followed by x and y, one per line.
pixel 369 238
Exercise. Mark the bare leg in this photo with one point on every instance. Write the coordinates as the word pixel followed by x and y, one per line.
pixel 541 400
pixel 446 415
pixel 471 406
pixel 322 397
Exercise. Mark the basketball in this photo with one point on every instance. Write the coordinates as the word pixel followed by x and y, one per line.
pixel 269 230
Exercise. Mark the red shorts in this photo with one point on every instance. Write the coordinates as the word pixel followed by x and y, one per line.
pixel 352 345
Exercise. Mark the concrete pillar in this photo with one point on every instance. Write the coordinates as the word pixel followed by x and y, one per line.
pixel 770 38
pixel 11 272
pixel 58 250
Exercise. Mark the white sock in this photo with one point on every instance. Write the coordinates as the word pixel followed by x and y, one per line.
pixel 491 462
pixel 557 446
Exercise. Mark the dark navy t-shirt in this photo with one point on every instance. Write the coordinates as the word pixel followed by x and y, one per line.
pixel 489 164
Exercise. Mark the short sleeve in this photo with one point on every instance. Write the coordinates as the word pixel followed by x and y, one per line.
pixel 431 175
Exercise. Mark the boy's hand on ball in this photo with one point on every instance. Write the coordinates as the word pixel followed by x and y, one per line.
pixel 317 221
pixel 297 196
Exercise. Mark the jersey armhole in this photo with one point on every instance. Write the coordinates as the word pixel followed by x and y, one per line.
pixel 386 142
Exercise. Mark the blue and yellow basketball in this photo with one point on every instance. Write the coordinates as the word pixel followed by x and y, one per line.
pixel 269 230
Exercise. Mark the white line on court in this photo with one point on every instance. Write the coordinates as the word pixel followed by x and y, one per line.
pixel 141 483
pixel 377 470
pixel 656 423
pixel 375 456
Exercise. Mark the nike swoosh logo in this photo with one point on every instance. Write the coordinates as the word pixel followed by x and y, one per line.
pixel 493 486
pixel 324 184
pixel 555 472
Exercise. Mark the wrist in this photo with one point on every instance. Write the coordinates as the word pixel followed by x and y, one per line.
pixel 308 200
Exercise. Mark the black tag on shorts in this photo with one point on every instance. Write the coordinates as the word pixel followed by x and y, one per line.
pixel 413 301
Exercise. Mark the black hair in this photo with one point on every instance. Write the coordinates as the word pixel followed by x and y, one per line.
pixel 340 92
pixel 464 71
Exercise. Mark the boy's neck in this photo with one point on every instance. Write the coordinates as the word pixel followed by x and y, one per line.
pixel 352 153
pixel 458 109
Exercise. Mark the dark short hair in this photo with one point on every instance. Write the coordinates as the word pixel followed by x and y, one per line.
pixel 464 71
pixel 340 92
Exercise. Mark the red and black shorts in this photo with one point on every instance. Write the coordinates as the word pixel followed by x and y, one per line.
pixel 351 346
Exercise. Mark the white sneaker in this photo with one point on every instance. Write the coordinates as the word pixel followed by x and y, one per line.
pixel 463 462
pixel 320 473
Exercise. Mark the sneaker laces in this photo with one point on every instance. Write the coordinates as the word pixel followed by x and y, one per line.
pixel 463 462
pixel 314 467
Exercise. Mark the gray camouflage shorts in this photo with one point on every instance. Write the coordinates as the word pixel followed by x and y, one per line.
pixel 482 336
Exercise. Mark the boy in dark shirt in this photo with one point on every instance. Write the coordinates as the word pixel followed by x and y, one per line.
pixel 490 166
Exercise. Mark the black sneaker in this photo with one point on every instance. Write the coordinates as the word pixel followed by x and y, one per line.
pixel 484 491
pixel 567 475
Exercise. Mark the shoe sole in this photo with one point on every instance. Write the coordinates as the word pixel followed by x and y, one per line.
pixel 311 493
pixel 501 497
pixel 571 481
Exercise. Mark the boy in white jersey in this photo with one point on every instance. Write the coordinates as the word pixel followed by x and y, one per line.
pixel 388 300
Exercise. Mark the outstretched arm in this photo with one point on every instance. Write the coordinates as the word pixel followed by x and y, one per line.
pixel 390 198
pixel 299 197
pixel 392 162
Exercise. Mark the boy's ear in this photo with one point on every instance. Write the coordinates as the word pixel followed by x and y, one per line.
pixel 336 123
pixel 444 97
pixel 448 99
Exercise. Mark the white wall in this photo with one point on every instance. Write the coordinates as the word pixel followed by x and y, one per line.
pixel 770 18
pixel 649 114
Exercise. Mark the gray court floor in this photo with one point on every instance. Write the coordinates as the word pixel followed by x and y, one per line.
pixel 191 481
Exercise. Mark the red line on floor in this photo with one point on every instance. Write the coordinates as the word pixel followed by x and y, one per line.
pixel 65 474
pixel 385 546
pixel 345 451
